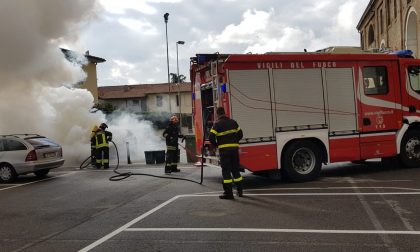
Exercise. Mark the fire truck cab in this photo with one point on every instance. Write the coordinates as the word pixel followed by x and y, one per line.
pixel 300 110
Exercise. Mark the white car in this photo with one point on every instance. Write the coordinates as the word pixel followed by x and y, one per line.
pixel 28 153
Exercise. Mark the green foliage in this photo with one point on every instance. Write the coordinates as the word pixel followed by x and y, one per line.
pixel 106 108
pixel 177 79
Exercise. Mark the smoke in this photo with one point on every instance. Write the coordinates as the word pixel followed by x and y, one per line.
pixel 135 135
pixel 36 79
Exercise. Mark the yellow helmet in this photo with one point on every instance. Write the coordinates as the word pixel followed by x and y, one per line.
pixel 95 128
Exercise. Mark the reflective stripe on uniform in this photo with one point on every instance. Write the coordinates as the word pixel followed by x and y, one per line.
pixel 227 132
pixel 103 142
pixel 238 179
pixel 171 147
pixel 228 145
pixel 227 181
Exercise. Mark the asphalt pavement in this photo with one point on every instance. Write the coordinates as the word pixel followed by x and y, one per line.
pixel 351 207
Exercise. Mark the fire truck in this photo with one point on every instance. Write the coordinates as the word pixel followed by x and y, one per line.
pixel 301 110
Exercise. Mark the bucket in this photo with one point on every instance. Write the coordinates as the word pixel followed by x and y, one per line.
pixel 159 156
pixel 150 157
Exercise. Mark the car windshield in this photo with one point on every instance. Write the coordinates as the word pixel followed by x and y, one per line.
pixel 41 142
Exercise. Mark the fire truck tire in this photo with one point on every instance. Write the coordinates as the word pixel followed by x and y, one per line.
pixel 301 161
pixel 410 149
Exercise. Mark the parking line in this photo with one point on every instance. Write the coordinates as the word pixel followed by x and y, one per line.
pixel 127 226
pixel 274 230
pixel 33 182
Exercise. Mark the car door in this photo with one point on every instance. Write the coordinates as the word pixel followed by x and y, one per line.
pixel 379 109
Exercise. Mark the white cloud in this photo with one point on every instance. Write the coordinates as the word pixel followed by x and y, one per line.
pixel 143 6
pixel 135 25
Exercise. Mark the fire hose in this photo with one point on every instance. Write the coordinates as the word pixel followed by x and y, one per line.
pixel 124 175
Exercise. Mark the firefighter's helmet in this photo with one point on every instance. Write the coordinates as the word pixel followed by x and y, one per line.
pixel 103 126
pixel 95 128
pixel 174 119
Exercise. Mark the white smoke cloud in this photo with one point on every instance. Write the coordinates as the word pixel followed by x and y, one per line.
pixel 36 79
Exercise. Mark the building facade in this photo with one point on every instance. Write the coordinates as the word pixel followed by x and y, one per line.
pixel 390 25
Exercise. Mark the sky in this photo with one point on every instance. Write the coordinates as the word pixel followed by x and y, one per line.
pixel 130 34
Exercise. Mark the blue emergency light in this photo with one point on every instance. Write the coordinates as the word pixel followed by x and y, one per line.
pixel 404 53
pixel 223 87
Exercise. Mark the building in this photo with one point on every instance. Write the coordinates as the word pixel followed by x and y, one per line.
pixel 389 25
pixel 88 63
pixel 151 100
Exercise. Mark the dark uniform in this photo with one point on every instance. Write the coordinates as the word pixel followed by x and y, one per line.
pixel 171 134
pixel 225 134
pixel 102 139
pixel 93 145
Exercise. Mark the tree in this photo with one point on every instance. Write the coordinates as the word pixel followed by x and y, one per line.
pixel 107 108
pixel 177 79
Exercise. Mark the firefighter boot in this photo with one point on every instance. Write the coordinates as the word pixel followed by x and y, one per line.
pixel 240 189
pixel 227 194
pixel 167 169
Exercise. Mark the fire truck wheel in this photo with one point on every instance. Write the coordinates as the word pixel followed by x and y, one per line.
pixel 410 149
pixel 302 161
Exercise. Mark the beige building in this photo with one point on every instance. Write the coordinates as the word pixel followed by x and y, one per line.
pixel 88 63
pixel 389 25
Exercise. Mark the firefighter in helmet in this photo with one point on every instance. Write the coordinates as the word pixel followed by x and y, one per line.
pixel 93 145
pixel 102 139
pixel 225 134
pixel 171 134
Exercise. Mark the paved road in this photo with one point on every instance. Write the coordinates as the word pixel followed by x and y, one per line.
pixel 369 207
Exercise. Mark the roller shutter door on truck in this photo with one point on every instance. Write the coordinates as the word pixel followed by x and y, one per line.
pixel 250 102
pixel 341 99
pixel 299 97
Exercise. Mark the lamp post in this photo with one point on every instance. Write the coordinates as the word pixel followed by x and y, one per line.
pixel 166 17
pixel 178 83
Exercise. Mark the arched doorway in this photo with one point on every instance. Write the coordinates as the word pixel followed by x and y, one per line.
pixel 411 41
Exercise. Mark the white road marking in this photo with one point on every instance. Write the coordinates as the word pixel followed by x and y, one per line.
pixel 317 188
pixel 33 182
pixel 273 230
pixel 124 227
pixel 127 226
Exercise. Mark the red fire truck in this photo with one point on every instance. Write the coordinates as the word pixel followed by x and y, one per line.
pixel 300 110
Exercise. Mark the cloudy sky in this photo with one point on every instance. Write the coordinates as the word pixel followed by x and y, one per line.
pixel 130 34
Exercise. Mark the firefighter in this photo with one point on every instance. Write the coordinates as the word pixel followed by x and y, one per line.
pixel 225 134
pixel 93 145
pixel 102 139
pixel 171 134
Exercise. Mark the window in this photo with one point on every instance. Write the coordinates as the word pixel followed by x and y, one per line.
pixel 381 22
pixel 159 100
pixel 136 102
pixel 2 145
pixel 143 105
pixel 414 76
pixel 13 145
pixel 375 80
pixel 177 100
pixel 395 8
pixel 388 14
pixel 371 35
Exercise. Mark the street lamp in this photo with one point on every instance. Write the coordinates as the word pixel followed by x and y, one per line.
pixel 166 17
pixel 178 83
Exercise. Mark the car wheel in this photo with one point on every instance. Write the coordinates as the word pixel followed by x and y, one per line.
pixel 301 161
pixel 410 149
pixel 7 173
pixel 42 173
